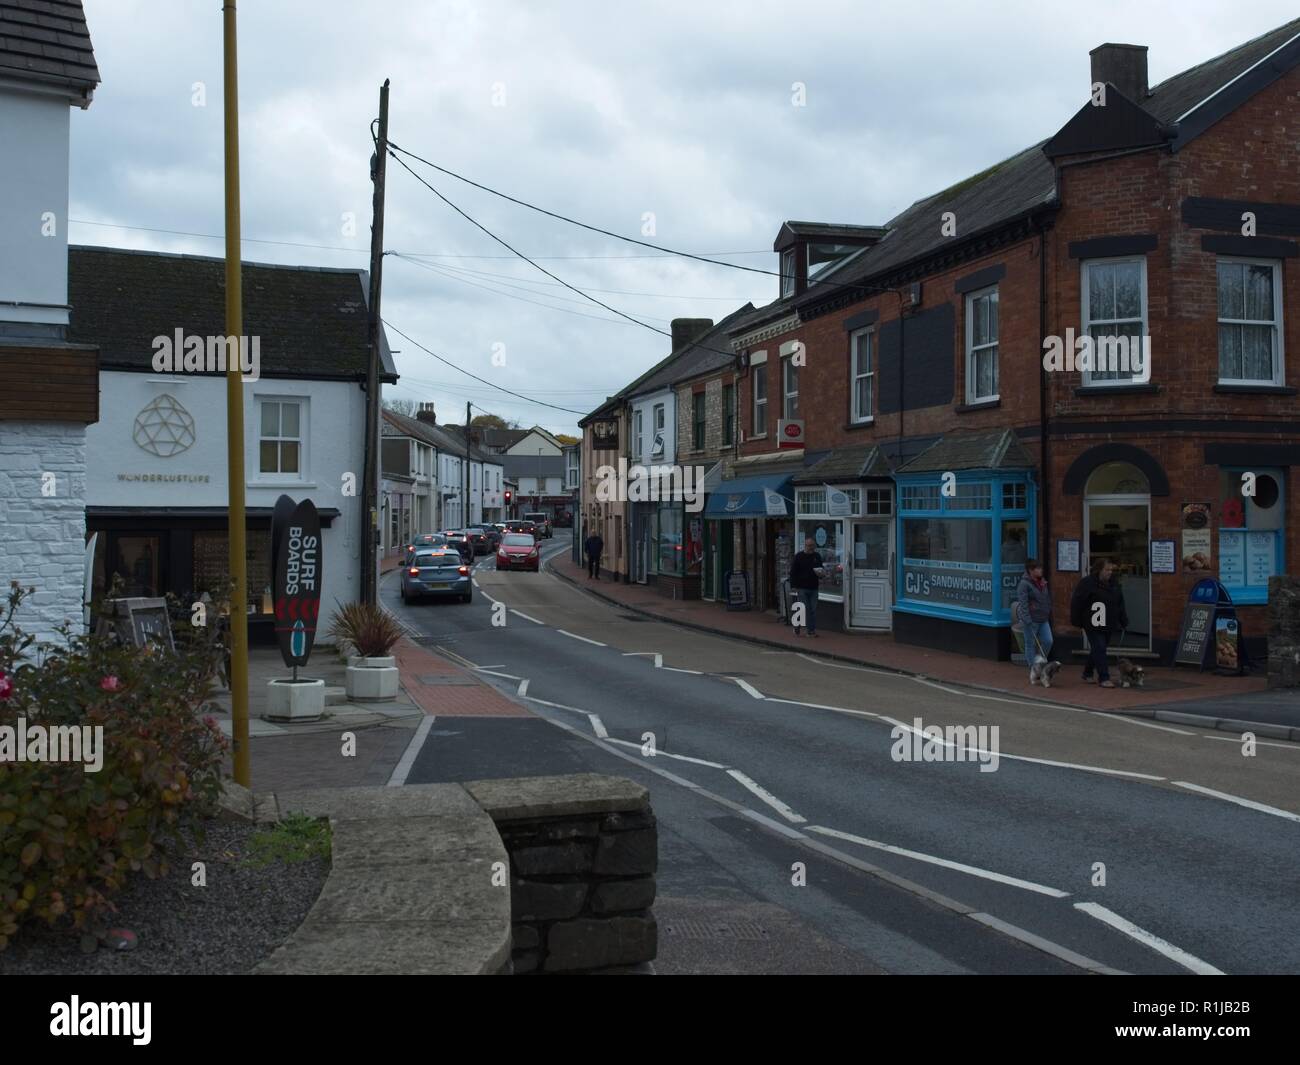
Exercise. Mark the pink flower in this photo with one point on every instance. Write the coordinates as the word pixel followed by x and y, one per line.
pixel 210 721
pixel 110 683
pixel 6 685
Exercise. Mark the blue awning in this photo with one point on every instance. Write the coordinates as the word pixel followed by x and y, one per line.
pixel 746 497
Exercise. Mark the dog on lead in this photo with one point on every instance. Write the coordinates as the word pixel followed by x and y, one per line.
pixel 1043 672
pixel 1131 676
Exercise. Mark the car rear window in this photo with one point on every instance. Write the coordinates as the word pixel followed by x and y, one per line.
pixel 438 558
pixel 518 540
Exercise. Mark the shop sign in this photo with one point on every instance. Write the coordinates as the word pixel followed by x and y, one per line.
pixel 789 433
pixel 604 435
pixel 296 579
pixel 838 504
pixel 1163 558
pixel 968 585
pixel 774 503
pixel 1197 554
pixel 737 584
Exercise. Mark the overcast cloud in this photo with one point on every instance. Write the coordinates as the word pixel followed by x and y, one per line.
pixel 611 110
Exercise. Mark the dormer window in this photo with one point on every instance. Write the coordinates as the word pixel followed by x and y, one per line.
pixel 787 272
pixel 824 256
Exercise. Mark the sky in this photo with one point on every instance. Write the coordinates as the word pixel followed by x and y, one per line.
pixel 697 126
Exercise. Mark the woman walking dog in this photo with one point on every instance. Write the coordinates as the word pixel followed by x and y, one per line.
pixel 1034 612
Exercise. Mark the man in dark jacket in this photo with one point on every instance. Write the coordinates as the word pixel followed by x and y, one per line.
pixel 805 571
pixel 1097 607
pixel 593 545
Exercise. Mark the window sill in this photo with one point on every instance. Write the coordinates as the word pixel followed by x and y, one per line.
pixel 1260 389
pixel 865 423
pixel 1117 390
pixel 980 404
pixel 756 436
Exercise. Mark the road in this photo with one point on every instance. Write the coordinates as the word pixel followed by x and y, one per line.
pixel 792 839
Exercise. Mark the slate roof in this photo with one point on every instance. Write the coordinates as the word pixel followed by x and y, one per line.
pixel 991 449
pixel 47 41
pixel 710 351
pixel 437 436
pixel 846 464
pixel 311 322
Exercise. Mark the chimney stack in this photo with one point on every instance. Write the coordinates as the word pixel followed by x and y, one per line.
pixel 1123 66
pixel 687 330
pixel 425 413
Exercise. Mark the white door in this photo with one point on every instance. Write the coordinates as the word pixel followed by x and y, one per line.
pixel 870 607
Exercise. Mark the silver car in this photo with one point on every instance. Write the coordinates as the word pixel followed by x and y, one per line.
pixel 436 572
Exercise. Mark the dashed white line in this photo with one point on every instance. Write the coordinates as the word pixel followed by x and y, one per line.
pixel 749 688
pixel 1148 724
pixel 692 672
pixel 597 726
pixel 403 767
pixel 526 617
pixel 1258 743
pixel 494 673
pixel 574 635
pixel 668 754
pixel 767 797
pixel 523 688
pixel 1247 803
pixel 659 659
pixel 984 874
pixel 1149 939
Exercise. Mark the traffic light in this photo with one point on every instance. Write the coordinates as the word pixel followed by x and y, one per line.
pixel 508 495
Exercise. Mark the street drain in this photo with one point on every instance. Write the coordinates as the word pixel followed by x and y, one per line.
pixel 748 931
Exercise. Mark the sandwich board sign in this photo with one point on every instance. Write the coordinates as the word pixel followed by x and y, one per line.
pixel 296 577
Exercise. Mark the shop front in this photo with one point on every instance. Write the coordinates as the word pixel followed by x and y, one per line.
pixel 963 538
pixel 751 530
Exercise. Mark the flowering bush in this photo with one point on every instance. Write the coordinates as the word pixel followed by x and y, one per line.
pixel 70 838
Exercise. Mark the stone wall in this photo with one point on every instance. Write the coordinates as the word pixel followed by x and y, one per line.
pixel 43 533
pixel 1284 632
pixel 583 855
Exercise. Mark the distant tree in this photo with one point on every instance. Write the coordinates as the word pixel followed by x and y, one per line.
pixel 406 407
pixel 489 421
pixel 565 438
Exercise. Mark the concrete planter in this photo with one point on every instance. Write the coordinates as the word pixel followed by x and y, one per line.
pixel 372 679
pixel 288 700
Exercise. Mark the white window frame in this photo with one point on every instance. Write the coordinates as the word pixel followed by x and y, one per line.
pixel 1279 366
pixel 972 378
pixel 638 434
pixel 1084 268
pixel 789 369
pixel 859 417
pixel 659 419
pixel 760 402
pixel 788 267
pixel 278 476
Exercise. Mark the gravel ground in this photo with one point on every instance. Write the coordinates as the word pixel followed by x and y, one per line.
pixel 229 926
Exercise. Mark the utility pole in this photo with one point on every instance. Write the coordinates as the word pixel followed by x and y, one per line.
pixel 465 516
pixel 235 475
pixel 369 481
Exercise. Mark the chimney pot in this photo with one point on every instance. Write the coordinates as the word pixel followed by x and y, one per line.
pixel 426 413
pixel 1123 66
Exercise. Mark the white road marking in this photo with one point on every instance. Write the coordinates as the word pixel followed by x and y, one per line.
pixel 558 706
pixel 403 768
pixel 523 687
pixel 842 665
pixel 574 635
pixel 474 581
pixel 747 687
pixel 767 797
pixel 668 754
pixel 824 706
pixel 597 726
pixel 459 658
pixel 495 665
pixel 489 597
pixel 659 659
pixel 1161 946
pixel 1238 800
pixel 1147 724
pixel 692 672
pixel 984 874
pixel 494 673
pixel 1258 743
pixel 520 613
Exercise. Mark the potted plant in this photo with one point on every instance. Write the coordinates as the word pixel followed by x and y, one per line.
pixel 373 632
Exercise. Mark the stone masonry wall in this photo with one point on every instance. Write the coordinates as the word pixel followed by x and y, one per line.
pixel 583 855
pixel 1284 632
pixel 42 537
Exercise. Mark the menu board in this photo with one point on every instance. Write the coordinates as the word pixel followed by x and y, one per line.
pixel 1194 637
pixel 737 584
pixel 1232 557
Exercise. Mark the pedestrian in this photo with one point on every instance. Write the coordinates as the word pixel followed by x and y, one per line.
pixel 1097 607
pixel 1034 613
pixel 593 546
pixel 805 574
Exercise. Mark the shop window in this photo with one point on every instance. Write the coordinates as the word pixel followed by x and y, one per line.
pixel 948 562
pixel 810 500
pixel 729 415
pixel 1014 551
pixel 827 537
pixel 863 373
pixel 280 444
pixel 1251 532
pixel 211 555
pixel 879 501
pixel 1114 306
pixel 970 497
pixel 982 346
pixel 1015 496
pixel 921 497
pixel 671 547
pixel 1250 322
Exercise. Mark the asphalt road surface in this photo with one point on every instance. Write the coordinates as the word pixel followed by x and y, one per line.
pixel 803 829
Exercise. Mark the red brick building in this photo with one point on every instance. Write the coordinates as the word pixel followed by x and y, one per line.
pixel 938 447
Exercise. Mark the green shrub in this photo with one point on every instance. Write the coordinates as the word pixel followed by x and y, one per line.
pixel 70 839
pixel 371 629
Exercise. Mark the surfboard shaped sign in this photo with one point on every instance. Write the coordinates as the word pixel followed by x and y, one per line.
pixel 296 541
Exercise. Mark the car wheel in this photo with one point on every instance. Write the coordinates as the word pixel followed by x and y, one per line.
pixel 467 597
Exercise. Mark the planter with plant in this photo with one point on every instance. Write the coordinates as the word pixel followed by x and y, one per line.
pixel 373 632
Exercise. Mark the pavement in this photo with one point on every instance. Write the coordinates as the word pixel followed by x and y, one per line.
pixel 1163 685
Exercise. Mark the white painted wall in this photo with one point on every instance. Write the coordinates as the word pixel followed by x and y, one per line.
pixel 120 473
pixel 646 405
pixel 43 538
pixel 551 486
pixel 532 444
pixel 34 148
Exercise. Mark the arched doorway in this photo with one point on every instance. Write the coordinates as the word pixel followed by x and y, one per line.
pixel 1117 525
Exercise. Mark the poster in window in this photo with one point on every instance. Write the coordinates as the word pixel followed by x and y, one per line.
pixel 1163 556
pixel 1259 558
pixel 1067 556
pixel 1197 555
pixel 1232 558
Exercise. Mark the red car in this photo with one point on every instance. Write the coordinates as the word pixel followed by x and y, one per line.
pixel 518 551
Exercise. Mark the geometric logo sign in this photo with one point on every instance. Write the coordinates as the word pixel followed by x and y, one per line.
pixel 164 428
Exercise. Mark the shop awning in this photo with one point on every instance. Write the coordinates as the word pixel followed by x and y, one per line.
pixel 747 497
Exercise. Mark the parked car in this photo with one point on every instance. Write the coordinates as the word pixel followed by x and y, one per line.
pixel 460 541
pixel 543 523
pixel 518 551
pixel 437 571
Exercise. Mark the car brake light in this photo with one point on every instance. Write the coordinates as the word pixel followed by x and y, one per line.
pixel 414 571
